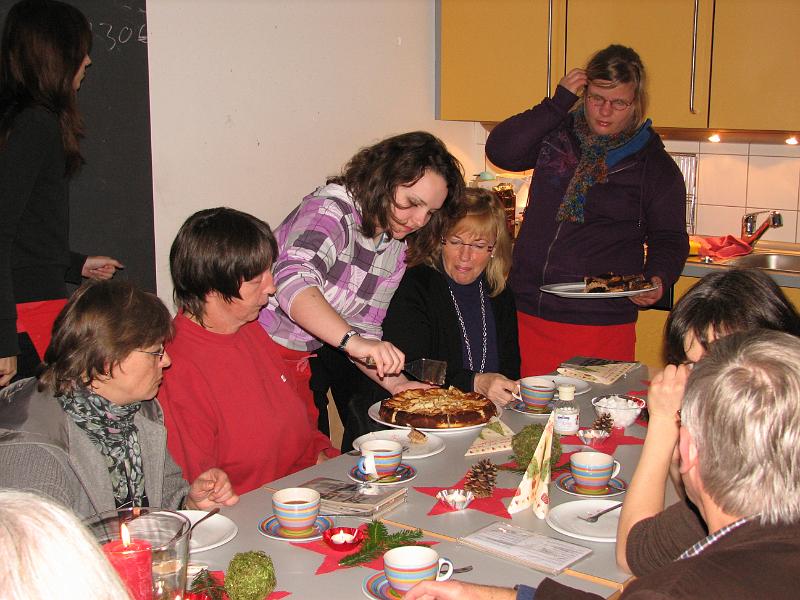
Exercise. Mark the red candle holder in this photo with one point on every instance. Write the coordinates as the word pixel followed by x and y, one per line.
pixel 343 538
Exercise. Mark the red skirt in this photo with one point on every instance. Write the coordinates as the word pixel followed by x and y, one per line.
pixel 544 345
pixel 37 319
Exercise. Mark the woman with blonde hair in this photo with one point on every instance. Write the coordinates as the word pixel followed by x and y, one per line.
pixel 604 188
pixel 47 553
pixel 456 308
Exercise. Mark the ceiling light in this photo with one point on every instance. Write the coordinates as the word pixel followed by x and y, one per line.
pixel 714 138
pixel 792 141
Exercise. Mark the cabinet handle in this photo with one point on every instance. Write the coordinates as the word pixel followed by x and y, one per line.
pixel 694 58
pixel 550 43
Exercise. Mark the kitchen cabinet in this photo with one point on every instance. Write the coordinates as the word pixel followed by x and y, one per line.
pixel 493 56
pixel 754 83
pixel 729 65
pixel 664 34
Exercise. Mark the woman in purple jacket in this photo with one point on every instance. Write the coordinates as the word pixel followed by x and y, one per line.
pixel 604 189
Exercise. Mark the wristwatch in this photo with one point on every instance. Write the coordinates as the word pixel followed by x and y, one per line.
pixel 346 339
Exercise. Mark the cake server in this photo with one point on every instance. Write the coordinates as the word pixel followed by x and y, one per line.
pixel 425 370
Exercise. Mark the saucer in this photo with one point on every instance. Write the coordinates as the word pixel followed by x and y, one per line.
pixel 617 486
pixel 377 587
pixel 520 408
pixel 272 529
pixel 404 473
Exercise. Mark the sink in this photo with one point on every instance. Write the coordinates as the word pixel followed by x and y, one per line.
pixel 769 261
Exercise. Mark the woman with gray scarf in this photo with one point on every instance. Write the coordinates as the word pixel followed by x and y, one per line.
pixel 88 432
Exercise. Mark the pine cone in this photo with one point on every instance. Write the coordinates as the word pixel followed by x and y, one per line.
pixel 480 479
pixel 603 422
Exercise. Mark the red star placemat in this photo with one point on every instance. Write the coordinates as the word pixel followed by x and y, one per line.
pixel 491 505
pixel 608 445
pixel 332 557
pixel 219 577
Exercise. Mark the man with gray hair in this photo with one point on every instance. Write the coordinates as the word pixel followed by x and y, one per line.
pixel 740 464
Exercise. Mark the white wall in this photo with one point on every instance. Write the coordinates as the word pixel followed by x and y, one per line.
pixel 255 102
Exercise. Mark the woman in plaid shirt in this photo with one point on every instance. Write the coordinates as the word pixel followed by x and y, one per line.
pixel 344 249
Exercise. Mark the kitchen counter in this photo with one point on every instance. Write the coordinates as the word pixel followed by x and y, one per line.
pixel 696 268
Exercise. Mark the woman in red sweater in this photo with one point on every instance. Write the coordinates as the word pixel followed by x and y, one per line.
pixel 228 399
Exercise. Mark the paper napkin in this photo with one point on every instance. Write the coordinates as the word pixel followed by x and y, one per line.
pixel 533 491
pixel 494 437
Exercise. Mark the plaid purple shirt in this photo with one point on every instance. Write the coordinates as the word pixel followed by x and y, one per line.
pixel 319 245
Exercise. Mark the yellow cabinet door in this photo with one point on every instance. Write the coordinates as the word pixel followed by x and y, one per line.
pixel 493 56
pixel 754 82
pixel 662 32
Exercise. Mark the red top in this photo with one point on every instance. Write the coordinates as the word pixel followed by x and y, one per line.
pixel 229 403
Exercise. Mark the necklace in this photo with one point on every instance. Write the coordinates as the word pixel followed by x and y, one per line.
pixel 464 328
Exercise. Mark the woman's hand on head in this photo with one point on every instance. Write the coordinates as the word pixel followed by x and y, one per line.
pixel 665 395
pixel 212 488
pixel 495 387
pixel 8 368
pixel 575 81
pixel 385 357
pixel 100 267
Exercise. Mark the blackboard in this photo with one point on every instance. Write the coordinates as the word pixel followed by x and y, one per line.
pixel 111 198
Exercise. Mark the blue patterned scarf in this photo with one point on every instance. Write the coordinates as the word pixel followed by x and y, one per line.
pixel 598 153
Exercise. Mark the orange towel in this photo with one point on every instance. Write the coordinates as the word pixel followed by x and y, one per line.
pixel 722 246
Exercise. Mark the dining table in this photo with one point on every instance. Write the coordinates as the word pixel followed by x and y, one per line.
pixel 311 570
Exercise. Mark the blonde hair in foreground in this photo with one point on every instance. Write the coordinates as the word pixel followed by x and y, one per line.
pixel 742 408
pixel 47 553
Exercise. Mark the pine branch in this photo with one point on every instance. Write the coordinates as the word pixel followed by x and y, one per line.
pixel 377 541
pixel 204 583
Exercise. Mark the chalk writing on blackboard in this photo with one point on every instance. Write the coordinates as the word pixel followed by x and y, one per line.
pixel 113 34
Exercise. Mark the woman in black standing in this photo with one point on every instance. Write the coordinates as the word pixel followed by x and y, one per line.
pixel 43 59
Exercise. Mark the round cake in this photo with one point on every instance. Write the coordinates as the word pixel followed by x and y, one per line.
pixel 437 408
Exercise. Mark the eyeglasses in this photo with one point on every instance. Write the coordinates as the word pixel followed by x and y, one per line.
pixel 597 101
pixel 159 353
pixel 457 244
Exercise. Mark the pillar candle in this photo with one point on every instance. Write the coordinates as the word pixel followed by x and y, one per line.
pixel 132 560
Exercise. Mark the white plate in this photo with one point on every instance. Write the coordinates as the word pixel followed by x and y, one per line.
pixel 374 414
pixel 578 290
pixel 581 387
pixel 212 532
pixel 433 444
pixel 564 519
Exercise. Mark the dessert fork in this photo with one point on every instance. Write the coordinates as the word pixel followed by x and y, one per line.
pixel 592 517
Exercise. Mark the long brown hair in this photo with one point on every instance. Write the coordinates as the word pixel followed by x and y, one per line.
pixel 372 176
pixel 44 43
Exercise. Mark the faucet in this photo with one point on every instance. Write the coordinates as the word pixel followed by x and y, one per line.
pixel 751 233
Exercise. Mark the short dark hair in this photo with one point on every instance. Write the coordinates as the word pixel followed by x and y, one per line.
pixel 103 322
pixel 43 46
pixel 726 302
pixel 372 176
pixel 216 250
